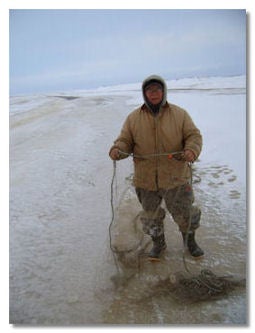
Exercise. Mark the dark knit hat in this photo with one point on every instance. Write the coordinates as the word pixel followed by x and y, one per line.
pixel 153 82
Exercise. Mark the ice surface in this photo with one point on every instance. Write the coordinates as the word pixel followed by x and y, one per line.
pixel 60 175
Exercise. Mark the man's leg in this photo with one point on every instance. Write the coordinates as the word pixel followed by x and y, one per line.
pixel 179 202
pixel 152 220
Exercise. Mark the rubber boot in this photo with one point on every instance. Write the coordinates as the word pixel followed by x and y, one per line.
pixel 159 245
pixel 189 241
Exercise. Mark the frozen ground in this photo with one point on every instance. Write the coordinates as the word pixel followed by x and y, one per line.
pixel 60 174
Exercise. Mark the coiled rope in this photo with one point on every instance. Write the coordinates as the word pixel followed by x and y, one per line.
pixel 179 155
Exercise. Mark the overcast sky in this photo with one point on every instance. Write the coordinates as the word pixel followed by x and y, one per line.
pixel 56 50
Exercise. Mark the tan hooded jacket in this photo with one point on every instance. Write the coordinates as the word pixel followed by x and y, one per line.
pixel 145 133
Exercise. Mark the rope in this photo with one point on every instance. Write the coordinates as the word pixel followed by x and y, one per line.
pixel 115 251
pixel 113 217
pixel 112 204
pixel 170 155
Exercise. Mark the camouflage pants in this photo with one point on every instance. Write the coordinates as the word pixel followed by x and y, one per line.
pixel 179 203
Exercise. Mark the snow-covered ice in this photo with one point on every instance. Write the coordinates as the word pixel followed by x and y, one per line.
pixel 60 177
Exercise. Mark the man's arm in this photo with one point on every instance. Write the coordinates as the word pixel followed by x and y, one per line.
pixel 124 142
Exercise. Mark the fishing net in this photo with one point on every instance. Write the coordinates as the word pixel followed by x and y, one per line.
pixel 130 246
pixel 197 287
pixel 128 242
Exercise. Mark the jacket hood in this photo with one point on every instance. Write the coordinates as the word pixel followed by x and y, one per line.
pixel 157 79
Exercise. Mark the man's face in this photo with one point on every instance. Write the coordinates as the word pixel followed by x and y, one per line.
pixel 154 93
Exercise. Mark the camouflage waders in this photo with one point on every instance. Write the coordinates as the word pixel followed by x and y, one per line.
pixel 179 202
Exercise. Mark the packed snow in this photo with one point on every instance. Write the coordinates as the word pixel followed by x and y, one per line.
pixel 60 205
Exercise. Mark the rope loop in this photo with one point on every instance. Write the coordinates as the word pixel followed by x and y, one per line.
pixel 169 155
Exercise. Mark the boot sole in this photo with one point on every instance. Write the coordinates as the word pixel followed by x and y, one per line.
pixel 198 257
pixel 157 259
pixel 191 256
pixel 153 259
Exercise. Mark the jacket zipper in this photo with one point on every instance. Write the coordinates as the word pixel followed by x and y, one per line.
pixel 156 152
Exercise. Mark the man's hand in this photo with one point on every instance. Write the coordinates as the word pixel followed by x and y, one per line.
pixel 114 154
pixel 189 155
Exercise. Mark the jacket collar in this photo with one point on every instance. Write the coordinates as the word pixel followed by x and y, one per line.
pixel 144 107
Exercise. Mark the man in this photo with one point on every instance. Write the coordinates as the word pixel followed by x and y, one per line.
pixel 152 133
